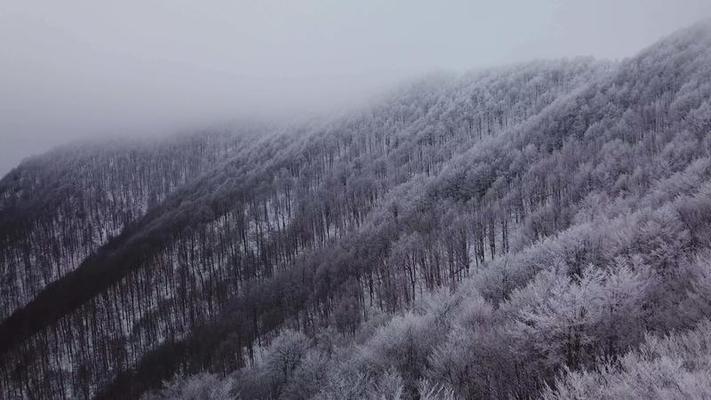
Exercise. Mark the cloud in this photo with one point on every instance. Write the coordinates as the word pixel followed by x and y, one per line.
pixel 84 69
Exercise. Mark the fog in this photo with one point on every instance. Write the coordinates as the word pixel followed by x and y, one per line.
pixel 77 69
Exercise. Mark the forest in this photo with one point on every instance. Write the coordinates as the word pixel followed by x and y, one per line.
pixel 538 230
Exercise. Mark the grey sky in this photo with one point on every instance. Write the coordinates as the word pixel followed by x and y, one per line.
pixel 72 69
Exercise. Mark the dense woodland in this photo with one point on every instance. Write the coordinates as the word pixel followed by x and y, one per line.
pixel 534 231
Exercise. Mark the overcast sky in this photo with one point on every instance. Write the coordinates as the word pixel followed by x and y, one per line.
pixel 72 69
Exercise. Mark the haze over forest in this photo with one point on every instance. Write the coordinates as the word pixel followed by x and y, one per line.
pixel 82 69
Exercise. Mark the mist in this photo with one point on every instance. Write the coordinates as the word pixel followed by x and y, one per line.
pixel 83 69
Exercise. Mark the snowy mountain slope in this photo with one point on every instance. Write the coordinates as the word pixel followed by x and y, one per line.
pixel 537 193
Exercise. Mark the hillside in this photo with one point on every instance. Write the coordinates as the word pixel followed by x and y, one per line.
pixel 468 236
